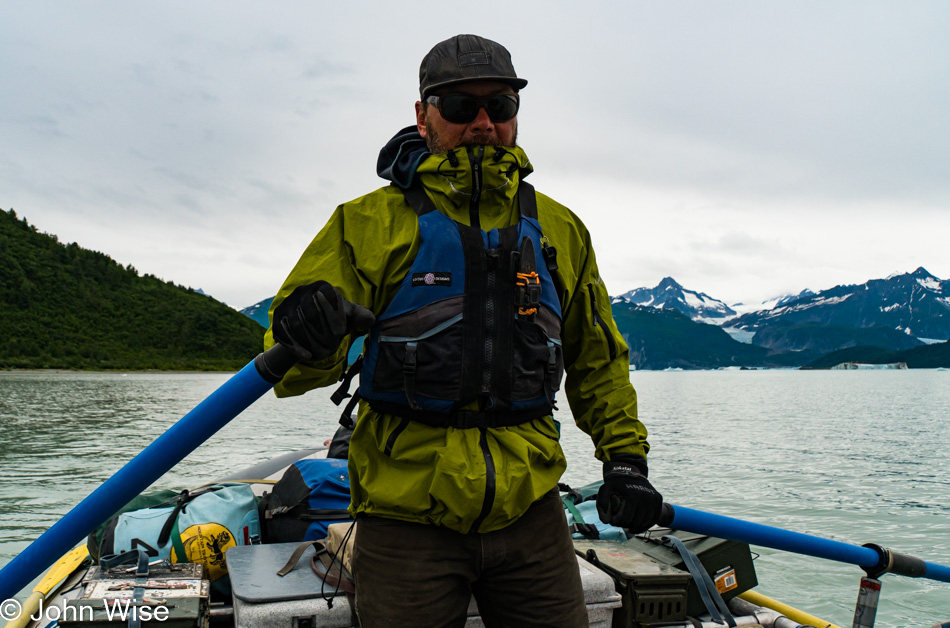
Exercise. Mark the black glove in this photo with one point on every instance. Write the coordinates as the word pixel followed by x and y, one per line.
pixel 314 319
pixel 627 499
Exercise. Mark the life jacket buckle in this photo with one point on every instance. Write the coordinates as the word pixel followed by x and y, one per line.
pixel 528 294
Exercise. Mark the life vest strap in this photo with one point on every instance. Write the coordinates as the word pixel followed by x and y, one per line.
pixel 463 419
pixel 409 374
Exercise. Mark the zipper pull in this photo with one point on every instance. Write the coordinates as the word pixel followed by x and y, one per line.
pixel 549 253
pixel 491 258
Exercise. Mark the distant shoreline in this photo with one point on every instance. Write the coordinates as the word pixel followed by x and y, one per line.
pixel 115 371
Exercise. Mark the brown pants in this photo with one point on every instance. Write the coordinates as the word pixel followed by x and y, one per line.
pixel 411 574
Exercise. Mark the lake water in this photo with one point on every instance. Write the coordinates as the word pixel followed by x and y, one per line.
pixel 855 456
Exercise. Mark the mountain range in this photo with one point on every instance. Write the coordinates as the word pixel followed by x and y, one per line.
pixel 915 305
pixel 882 320
pixel 669 294
pixel 63 306
pixel 875 320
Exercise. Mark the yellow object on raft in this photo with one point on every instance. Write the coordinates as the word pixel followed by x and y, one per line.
pixel 792 613
pixel 66 565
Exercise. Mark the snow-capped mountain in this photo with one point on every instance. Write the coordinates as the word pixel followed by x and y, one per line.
pixel 916 304
pixel 258 311
pixel 785 299
pixel 669 294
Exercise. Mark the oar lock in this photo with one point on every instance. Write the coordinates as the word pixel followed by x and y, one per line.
pixel 894 562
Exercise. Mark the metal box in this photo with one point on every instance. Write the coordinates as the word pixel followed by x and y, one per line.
pixel 651 591
pixel 729 563
pixel 175 596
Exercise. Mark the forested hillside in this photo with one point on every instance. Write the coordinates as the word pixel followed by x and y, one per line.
pixel 62 306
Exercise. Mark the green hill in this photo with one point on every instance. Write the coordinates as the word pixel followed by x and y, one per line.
pixel 62 306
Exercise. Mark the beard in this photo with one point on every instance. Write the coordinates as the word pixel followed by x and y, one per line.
pixel 436 146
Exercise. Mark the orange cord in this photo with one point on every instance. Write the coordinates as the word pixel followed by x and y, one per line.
pixel 524 280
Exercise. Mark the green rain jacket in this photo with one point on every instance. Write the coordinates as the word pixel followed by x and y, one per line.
pixel 475 479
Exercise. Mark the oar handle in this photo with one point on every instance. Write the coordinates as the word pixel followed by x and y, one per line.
pixel 873 558
pixel 667 515
pixel 274 363
pixel 229 400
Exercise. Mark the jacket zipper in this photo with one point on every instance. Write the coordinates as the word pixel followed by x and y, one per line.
pixel 489 481
pixel 488 350
pixel 391 441
pixel 598 321
pixel 476 161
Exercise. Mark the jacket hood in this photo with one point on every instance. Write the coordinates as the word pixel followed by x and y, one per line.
pixel 400 157
pixel 460 180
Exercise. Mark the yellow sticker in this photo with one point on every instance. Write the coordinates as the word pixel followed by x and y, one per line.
pixel 206 543
pixel 726 581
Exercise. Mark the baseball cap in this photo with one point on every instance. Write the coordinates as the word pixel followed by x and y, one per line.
pixel 466 58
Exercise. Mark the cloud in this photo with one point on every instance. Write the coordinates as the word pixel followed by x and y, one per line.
pixel 744 148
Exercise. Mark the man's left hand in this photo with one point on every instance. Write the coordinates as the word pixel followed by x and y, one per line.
pixel 627 499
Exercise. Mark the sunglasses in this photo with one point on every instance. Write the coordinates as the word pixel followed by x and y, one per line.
pixel 462 108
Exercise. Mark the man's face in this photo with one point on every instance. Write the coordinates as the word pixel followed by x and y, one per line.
pixel 442 135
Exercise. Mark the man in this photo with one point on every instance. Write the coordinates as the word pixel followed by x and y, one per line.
pixel 478 294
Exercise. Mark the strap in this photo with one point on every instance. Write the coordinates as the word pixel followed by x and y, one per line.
pixel 137 556
pixel 409 374
pixel 587 530
pixel 140 558
pixel 572 494
pixel 418 199
pixel 551 379
pixel 323 514
pixel 341 579
pixel 344 390
pixel 704 584
pixel 527 201
pixel 462 419
pixel 177 545
pixel 346 419
pixel 180 502
pixel 138 596
pixel 295 557
pixel 571 508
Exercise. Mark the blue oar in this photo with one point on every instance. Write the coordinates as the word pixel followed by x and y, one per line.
pixel 236 394
pixel 874 559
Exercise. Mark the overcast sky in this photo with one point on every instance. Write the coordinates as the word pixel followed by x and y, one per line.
pixel 747 149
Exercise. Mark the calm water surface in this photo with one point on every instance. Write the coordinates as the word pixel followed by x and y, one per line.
pixel 859 456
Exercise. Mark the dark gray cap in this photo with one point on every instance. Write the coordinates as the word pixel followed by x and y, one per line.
pixel 466 58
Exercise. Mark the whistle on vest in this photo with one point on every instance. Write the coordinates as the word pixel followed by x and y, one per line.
pixel 527 281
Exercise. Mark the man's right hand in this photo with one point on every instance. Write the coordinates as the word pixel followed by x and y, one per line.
pixel 314 319
pixel 626 498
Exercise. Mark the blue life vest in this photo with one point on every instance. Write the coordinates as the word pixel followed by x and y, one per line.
pixel 476 319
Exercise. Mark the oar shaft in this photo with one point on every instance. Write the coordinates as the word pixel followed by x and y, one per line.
pixel 229 400
pixel 700 522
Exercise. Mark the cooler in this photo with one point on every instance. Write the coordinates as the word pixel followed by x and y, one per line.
pixel 262 599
